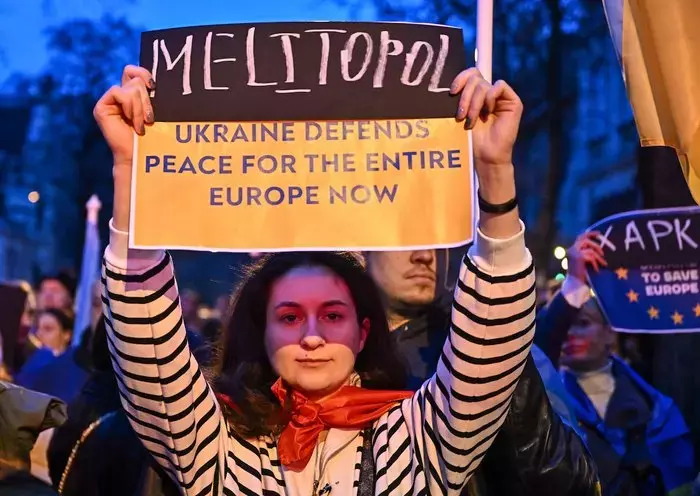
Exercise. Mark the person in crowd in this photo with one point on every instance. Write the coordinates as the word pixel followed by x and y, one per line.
pixel 54 330
pixel 30 305
pixel 407 282
pixel 221 306
pixel 24 414
pixel 57 291
pixel 307 381
pixel 211 334
pixel 535 453
pixel 213 326
pixel 191 303
pixel 52 369
pixel 25 342
pixel 562 308
pixel 636 435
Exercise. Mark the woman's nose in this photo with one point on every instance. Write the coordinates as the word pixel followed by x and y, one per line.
pixel 312 339
pixel 312 342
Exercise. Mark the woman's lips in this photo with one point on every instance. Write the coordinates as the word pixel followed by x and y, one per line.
pixel 312 363
pixel 575 347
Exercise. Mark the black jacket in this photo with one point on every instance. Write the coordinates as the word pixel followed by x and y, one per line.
pixel 534 453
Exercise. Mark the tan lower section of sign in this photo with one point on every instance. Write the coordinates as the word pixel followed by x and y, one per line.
pixel 302 185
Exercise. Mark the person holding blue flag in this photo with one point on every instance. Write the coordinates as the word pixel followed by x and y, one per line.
pixel 637 436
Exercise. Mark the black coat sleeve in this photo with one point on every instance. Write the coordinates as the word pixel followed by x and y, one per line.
pixel 535 452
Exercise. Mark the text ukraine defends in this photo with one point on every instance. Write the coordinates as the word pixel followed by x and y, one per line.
pixel 313 162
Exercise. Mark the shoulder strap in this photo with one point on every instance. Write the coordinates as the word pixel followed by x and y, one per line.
pixel 367 472
pixel 76 447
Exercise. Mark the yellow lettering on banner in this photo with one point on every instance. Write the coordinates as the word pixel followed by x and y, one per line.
pixel 268 186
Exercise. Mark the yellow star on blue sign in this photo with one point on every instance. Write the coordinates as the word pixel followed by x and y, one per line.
pixel 677 318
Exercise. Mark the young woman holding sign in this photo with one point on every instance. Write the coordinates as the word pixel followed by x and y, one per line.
pixel 303 400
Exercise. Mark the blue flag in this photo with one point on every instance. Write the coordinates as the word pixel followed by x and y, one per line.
pixel 89 272
pixel 652 282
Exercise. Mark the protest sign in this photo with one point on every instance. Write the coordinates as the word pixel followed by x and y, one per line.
pixel 652 283
pixel 302 136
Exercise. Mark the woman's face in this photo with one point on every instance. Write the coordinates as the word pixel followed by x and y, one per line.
pixel 313 336
pixel 589 342
pixel 51 334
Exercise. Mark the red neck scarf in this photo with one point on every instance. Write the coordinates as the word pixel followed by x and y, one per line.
pixel 351 407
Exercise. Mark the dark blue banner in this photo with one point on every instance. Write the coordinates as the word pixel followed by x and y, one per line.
pixel 652 283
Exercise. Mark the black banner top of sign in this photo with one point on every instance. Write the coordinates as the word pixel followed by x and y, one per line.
pixel 651 237
pixel 303 71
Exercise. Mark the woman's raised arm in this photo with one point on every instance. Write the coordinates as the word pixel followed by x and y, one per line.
pixel 453 419
pixel 164 394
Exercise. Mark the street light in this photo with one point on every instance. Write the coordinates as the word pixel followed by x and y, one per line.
pixel 565 264
pixel 33 197
pixel 559 252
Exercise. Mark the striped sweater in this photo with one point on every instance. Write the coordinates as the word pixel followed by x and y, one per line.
pixel 428 444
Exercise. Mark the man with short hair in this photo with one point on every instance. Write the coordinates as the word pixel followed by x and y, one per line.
pixel 408 284
pixel 534 453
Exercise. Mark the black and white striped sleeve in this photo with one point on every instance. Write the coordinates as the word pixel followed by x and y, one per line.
pixel 457 413
pixel 164 394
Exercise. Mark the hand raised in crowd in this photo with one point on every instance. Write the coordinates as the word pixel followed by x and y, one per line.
pixel 586 250
pixel 498 107
pixel 125 108
pixel 122 110
pixel 493 114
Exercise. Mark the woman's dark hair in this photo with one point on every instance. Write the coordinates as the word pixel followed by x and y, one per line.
pixel 242 370
pixel 64 320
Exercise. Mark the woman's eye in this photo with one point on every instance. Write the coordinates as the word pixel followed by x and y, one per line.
pixel 289 318
pixel 334 317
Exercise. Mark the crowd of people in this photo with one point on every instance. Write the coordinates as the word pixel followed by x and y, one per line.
pixel 337 372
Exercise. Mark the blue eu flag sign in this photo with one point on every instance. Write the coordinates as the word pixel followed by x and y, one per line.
pixel 652 282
